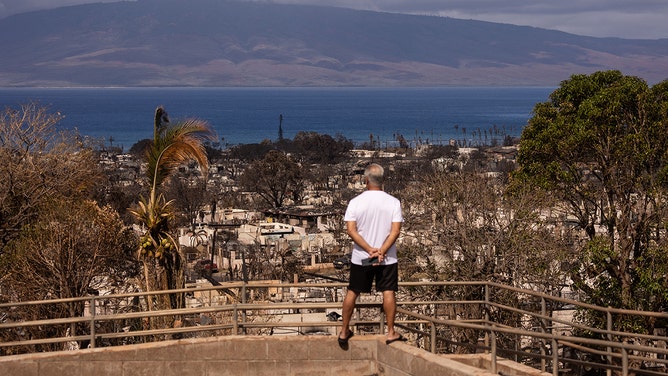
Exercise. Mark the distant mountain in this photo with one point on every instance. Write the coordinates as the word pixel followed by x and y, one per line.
pixel 228 43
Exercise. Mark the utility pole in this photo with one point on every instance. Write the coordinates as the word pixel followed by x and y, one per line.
pixel 280 127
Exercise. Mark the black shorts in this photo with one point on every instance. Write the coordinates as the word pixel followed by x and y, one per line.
pixel 385 276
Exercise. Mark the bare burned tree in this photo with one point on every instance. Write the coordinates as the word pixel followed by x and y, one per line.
pixel 274 178
pixel 55 241
pixel 465 227
pixel 37 164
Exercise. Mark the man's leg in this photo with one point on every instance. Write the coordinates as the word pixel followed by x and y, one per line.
pixel 390 308
pixel 347 312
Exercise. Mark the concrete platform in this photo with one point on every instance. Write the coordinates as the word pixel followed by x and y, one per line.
pixel 257 356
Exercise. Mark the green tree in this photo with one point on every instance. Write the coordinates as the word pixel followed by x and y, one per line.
pixel 599 146
pixel 275 178
pixel 251 152
pixel 172 146
pixel 315 148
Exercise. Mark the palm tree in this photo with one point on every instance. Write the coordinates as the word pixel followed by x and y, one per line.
pixel 173 145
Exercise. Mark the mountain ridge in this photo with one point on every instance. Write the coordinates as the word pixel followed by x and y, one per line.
pixel 230 43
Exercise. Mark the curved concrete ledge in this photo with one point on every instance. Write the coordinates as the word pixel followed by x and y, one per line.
pixel 255 355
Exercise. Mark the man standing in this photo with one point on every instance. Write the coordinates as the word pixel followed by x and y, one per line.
pixel 373 221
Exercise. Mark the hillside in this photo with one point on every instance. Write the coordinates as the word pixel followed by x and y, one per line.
pixel 227 43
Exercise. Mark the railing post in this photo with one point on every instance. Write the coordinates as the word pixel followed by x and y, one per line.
pixel 543 312
pixel 493 353
pixel 555 357
pixel 492 333
pixel 243 301
pixel 608 372
pixel 625 362
pixel 381 323
pixel 92 322
pixel 433 338
pixel 235 318
pixel 244 273
pixel 487 333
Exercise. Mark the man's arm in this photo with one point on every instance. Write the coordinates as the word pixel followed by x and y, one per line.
pixel 395 230
pixel 351 229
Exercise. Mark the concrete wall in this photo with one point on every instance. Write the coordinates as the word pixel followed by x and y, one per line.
pixel 241 356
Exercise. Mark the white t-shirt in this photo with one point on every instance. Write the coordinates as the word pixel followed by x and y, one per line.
pixel 374 211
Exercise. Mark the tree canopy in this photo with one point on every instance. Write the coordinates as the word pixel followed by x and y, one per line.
pixel 599 145
pixel 318 148
pixel 275 178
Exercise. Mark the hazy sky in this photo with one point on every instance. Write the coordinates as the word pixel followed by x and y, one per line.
pixel 599 18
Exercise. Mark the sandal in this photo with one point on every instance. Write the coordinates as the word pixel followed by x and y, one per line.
pixel 343 342
pixel 401 338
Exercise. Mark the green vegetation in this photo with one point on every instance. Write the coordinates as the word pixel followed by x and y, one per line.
pixel 600 146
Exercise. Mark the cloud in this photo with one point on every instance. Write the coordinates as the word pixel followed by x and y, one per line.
pixel 601 18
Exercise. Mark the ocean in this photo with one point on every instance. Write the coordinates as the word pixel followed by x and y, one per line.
pixel 123 116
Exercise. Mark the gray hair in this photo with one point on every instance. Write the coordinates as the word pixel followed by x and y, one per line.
pixel 375 174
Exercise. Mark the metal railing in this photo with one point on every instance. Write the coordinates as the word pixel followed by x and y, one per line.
pixel 538 329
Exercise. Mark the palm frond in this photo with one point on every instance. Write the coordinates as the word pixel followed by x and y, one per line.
pixel 175 145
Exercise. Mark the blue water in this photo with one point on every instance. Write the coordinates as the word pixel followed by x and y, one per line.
pixel 250 115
